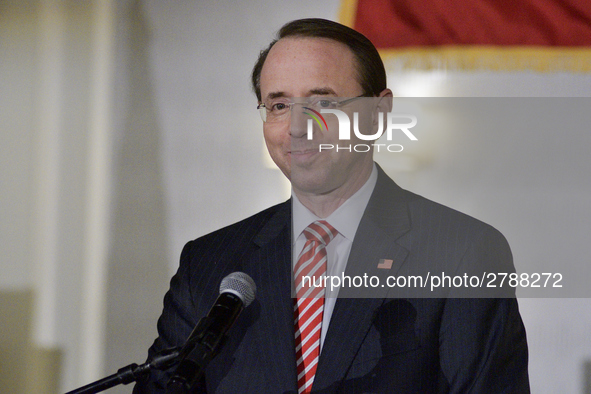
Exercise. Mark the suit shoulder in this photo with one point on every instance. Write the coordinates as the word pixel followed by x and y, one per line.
pixel 243 231
pixel 460 242
pixel 427 215
pixel 424 211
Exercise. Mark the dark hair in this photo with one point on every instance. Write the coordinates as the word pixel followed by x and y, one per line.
pixel 370 68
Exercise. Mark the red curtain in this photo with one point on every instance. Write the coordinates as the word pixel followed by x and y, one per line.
pixel 408 23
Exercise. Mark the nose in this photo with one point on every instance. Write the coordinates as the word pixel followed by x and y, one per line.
pixel 298 125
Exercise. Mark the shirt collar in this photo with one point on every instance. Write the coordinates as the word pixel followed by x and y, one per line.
pixel 345 218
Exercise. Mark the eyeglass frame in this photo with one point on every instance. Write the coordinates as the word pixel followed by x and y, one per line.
pixel 263 111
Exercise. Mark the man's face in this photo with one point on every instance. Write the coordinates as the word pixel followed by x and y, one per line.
pixel 311 67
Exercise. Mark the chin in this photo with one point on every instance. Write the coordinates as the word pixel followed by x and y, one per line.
pixel 310 186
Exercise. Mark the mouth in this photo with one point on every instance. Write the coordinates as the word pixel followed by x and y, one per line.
pixel 303 151
pixel 302 155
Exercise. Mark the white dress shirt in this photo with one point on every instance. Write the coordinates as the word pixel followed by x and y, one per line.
pixel 345 219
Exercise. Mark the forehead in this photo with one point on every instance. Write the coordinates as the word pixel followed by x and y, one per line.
pixel 298 66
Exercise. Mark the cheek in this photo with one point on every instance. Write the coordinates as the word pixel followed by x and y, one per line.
pixel 270 137
pixel 274 145
pixel 364 124
pixel 275 137
pixel 330 135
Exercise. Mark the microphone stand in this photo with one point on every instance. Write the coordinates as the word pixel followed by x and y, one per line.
pixel 131 373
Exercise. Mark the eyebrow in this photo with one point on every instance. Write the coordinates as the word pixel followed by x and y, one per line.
pixel 274 95
pixel 324 91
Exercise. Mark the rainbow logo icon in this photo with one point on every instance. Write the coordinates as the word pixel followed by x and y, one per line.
pixel 317 117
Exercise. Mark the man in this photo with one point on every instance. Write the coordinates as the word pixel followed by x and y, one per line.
pixel 378 343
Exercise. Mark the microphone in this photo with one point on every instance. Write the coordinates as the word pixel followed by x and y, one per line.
pixel 237 291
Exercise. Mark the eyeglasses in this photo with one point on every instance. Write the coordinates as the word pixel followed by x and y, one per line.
pixel 278 109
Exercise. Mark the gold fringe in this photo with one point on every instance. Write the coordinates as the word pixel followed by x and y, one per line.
pixel 347 12
pixel 495 58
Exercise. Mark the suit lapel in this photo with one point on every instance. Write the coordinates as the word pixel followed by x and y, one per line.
pixel 384 221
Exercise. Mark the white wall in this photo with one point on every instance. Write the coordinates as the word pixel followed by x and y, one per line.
pixel 17 118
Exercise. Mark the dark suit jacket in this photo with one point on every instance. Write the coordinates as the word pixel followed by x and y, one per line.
pixel 386 343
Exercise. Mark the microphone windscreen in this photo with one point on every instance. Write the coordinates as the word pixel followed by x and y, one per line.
pixel 240 284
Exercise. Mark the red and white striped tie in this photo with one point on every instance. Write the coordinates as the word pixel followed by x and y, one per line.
pixel 309 305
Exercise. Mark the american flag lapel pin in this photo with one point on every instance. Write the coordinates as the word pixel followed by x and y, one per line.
pixel 385 264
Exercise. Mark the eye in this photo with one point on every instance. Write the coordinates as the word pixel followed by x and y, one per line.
pixel 320 103
pixel 278 107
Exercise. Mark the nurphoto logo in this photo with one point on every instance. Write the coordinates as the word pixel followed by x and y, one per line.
pixel 394 123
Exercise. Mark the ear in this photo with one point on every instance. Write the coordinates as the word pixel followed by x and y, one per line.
pixel 384 105
pixel 385 102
